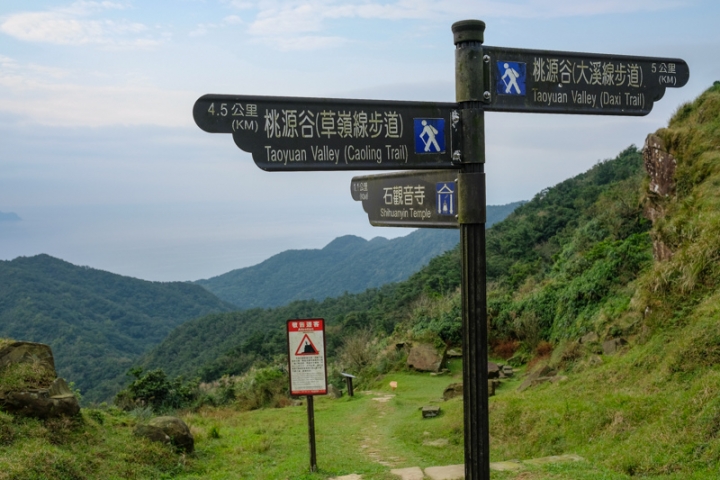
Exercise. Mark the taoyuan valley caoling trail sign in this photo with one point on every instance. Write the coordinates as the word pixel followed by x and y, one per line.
pixel 445 143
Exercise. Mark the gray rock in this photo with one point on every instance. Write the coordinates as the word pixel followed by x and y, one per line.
pixel 430 411
pixel 425 358
pixel 595 360
pixel 175 429
pixel 453 390
pixel 508 371
pixel 612 346
pixel 57 401
pixel 43 396
pixel 454 353
pixel 333 391
pixel 152 433
pixel 493 370
pixel 533 379
pixel 589 338
pixel 28 352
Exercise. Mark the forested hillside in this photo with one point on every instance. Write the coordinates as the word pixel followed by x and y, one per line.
pixel 347 264
pixel 96 322
pixel 524 245
pixel 609 280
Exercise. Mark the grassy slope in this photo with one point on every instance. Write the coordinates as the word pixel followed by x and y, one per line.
pixel 655 409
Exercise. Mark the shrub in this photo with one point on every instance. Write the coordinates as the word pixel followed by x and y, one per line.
pixel 153 389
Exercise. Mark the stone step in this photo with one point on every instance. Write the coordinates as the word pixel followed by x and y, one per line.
pixel 457 472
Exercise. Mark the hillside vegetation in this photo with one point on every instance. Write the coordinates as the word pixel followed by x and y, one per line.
pixel 347 264
pixel 427 305
pixel 577 259
pixel 96 322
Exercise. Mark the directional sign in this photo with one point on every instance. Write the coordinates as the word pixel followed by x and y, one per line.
pixel 306 356
pixel 291 133
pixel 410 199
pixel 520 80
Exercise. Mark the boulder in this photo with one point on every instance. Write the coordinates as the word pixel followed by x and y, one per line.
pixel 453 390
pixel 537 377
pixel 333 391
pixel 493 370
pixel 425 358
pixel 507 371
pixel 430 411
pixel 454 353
pixel 27 352
pixel 589 338
pixel 56 401
pixel 613 345
pixel 176 431
pixel 154 434
pixel 39 394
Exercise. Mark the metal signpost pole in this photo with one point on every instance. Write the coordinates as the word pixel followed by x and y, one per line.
pixel 469 91
pixel 311 433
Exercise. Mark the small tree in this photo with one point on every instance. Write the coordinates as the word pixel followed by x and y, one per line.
pixel 154 389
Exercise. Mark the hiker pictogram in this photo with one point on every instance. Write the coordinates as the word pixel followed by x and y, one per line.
pixel 512 78
pixel 429 135
pixel 307 347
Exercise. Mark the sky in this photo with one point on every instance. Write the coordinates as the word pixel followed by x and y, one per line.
pixel 101 159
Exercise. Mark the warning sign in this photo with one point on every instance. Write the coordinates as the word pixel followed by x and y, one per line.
pixel 306 355
pixel 307 347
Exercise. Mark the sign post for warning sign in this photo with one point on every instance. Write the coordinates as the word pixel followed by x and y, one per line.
pixel 307 368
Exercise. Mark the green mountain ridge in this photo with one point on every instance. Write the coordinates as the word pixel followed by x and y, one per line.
pixel 523 244
pixel 9 217
pixel 99 323
pixel 96 322
pixel 347 264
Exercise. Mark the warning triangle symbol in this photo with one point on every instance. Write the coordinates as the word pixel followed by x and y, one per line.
pixel 307 347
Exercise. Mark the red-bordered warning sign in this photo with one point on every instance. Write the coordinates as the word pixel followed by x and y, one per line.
pixel 306 356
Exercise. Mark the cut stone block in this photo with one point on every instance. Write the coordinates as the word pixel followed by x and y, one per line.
pixel 411 473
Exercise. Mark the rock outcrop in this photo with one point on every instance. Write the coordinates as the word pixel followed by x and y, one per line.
pixel 169 430
pixel 660 166
pixel 31 387
pixel 425 358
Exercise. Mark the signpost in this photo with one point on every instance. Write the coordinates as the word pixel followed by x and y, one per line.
pixel 290 134
pixel 543 81
pixel 309 134
pixel 413 199
pixel 308 368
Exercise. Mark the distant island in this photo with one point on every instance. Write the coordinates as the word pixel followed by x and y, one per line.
pixel 9 217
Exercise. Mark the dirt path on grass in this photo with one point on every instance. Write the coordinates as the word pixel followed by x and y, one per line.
pixel 376 436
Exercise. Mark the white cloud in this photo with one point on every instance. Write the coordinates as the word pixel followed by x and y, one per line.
pixel 75 25
pixel 28 92
pixel 295 19
pixel 203 28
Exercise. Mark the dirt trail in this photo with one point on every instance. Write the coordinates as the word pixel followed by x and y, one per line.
pixel 376 436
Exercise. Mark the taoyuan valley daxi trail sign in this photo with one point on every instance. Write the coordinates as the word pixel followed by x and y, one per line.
pixel 445 144
pixel 544 81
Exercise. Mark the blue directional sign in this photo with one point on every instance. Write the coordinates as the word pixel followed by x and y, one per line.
pixel 545 81
pixel 305 134
pixel 511 77
pixel 429 135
